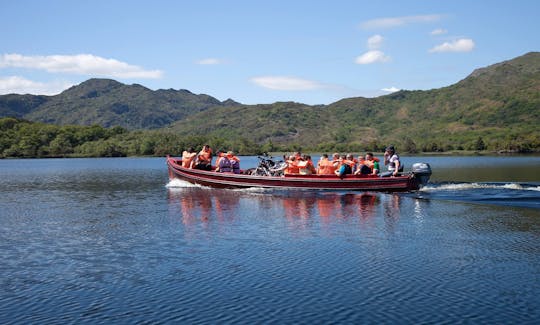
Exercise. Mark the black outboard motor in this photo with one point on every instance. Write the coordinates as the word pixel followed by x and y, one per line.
pixel 422 172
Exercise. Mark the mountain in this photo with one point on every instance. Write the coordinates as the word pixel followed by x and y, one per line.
pixel 499 103
pixel 109 103
pixel 20 105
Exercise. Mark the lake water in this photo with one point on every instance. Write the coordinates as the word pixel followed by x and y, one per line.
pixel 113 241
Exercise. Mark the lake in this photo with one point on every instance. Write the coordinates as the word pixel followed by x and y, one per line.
pixel 113 241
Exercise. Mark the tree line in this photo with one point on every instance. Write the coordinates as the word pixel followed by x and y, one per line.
pixel 24 139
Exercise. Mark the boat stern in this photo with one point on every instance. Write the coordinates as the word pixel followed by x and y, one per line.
pixel 422 172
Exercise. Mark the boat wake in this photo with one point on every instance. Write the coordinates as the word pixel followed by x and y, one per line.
pixel 473 186
pixel 507 194
pixel 178 183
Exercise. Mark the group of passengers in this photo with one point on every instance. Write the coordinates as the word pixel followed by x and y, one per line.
pixel 226 161
pixel 342 165
pixel 339 165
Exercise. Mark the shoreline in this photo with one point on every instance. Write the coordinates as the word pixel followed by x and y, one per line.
pixel 454 153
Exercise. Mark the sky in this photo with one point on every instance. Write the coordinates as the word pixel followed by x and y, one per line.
pixel 258 52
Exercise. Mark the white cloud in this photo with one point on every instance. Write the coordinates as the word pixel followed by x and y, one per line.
pixel 20 85
pixel 460 45
pixel 82 64
pixel 375 42
pixel 438 31
pixel 209 61
pixel 372 57
pixel 391 22
pixel 286 83
pixel 391 89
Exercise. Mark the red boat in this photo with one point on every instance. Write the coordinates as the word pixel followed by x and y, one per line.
pixel 406 182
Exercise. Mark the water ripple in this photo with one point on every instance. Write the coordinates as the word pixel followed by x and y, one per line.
pixel 116 246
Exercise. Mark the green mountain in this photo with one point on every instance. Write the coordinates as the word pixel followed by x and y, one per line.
pixel 498 105
pixel 109 103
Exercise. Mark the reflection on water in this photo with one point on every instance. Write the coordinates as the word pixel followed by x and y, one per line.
pixel 103 241
pixel 195 206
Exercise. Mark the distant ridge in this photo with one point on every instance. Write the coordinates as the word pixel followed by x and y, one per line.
pixel 499 104
pixel 108 103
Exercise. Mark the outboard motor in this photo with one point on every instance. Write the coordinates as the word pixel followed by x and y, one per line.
pixel 422 171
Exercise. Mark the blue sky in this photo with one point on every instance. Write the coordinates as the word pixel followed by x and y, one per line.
pixel 314 52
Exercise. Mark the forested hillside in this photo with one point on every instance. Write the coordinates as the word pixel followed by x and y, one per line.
pixel 495 108
pixel 109 103
pixel 498 106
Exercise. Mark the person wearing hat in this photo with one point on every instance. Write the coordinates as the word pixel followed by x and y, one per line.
pixel 391 159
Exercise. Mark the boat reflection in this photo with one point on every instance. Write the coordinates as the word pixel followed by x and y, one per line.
pixel 195 205
pixel 344 205
pixel 202 205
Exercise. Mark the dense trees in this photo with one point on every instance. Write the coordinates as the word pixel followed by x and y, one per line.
pixel 494 109
pixel 20 138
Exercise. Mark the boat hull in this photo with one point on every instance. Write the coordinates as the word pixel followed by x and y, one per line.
pixel 305 182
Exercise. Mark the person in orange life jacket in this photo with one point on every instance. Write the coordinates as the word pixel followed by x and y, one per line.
pixel 370 165
pixel 373 163
pixel 223 164
pixel 292 164
pixel 235 162
pixel 391 158
pixel 325 166
pixel 305 166
pixel 346 166
pixel 188 157
pixel 204 158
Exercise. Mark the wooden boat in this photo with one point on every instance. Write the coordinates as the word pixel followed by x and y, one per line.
pixel 406 182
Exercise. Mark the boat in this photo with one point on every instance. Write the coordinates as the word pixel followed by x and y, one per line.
pixel 405 182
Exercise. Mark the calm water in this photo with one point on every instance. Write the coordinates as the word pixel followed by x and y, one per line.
pixel 113 241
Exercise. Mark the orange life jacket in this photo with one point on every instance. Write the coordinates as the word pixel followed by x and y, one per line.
pixel 326 167
pixel 292 167
pixel 349 162
pixel 305 167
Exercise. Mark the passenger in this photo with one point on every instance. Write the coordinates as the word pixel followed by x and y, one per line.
pixel 235 162
pixel 391 158
pixel 292 164
pixel 287 160
pixel 223 163
pixel 305 166
pixel 188 157
pixel 373 163
pixel 325 166
pixel 370 165
pixel 345 167
pixel 358 163
pixel 336 161
pixel 351 161
pixel 362 167
pixel 204 158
